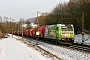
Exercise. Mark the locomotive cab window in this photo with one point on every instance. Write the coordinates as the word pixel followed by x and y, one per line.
pixel 67 28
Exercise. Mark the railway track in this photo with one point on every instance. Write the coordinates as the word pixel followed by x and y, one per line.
pixel 78 47
pixel 57 51
pixel 81 48
pixel 43 52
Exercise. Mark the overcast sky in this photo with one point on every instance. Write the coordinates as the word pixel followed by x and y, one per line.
pixel 17 9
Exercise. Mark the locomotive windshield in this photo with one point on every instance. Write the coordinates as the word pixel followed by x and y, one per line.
pixel 66 28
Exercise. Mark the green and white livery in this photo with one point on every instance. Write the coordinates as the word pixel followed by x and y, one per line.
pixel 60 32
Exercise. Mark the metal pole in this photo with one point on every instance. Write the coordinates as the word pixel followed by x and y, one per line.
pixel 22 30
pixel 12 28
pixel 36 27
pixel 18 31
pixel 82 26
pixel 37 18
pixel 12 31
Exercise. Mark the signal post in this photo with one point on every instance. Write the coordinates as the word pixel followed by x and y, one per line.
pixel 37 33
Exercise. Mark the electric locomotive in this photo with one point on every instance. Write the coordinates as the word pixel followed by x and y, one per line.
pixel 63 32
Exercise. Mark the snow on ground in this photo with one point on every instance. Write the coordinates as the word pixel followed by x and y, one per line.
pixel 78 39
pixel 68 54
pixel 64 53
pixel 11 49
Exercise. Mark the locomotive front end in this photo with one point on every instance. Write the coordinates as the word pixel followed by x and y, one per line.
pixel 67 32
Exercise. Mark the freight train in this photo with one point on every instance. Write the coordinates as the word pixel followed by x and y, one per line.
pixel 57 32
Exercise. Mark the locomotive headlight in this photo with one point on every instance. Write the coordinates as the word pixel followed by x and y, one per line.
pixel 67 31
pixel 72 36
pixel 63 36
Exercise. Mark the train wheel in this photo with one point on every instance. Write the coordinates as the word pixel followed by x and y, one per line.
pixel 51 40
pixel 56 41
